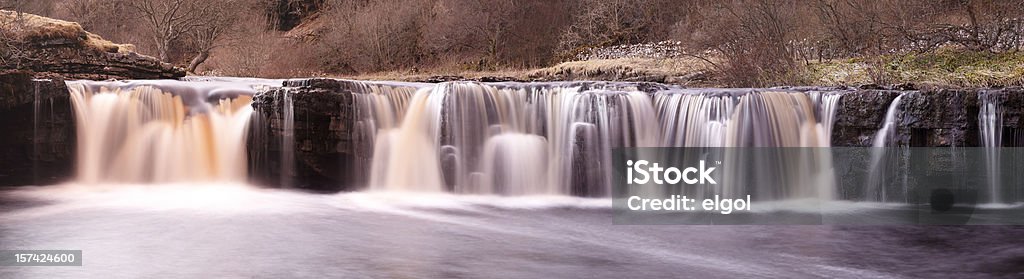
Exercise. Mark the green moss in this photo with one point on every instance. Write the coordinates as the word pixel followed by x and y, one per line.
pixel 947 67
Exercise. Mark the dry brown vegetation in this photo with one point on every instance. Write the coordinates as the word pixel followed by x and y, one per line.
pixel 740 42
pixel 18 30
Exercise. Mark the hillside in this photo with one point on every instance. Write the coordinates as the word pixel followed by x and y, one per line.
pixel 708 43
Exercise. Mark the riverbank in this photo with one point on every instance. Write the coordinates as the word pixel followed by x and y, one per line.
pixel 943 68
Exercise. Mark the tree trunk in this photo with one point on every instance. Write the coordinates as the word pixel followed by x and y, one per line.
pixel 196 61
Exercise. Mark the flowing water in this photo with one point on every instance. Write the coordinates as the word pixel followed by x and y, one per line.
pixel 465 180
pixel 230 231
pixel 990 123
pixel 161 131
pixel 459 137
pixel 883 159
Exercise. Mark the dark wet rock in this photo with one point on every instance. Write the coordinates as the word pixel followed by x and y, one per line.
pixel 289 14
pixel 871 86
pixel 440 79
pixel 496 79
pixel 860 115
pixel 38 142
pixel 939 118
pixel 326 158
pixel 620 73
pixel 932 117
pixel 904 86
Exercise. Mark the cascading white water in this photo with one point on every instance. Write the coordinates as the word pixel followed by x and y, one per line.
pixel 287 140
pixel 718 118
pixel 990 124
pixel 886 135
pixel 405 158
pixel 376 107
pixel 880 155
pixel 515 139
pixel 455 135
pixel 828 104
pixel 753 119
pixel 161 131
pixel 515 164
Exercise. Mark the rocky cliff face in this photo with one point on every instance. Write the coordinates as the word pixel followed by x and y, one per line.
pixel 925 118
pixel 50 48
pixel 38 142
pixel 321 136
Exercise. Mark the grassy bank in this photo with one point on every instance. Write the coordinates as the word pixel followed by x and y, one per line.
pixel 945 68
pixel 941 68
pixel 684 71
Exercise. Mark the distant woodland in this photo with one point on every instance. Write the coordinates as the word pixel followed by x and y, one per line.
pixel 753 42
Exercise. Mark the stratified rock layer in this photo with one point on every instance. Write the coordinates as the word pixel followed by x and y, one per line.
pixel 50 48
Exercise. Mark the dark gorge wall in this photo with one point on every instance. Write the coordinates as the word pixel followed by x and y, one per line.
pixel 38 128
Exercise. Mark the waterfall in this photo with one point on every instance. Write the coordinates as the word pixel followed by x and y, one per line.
pixel 406 157
pixel 990 124
pixel 887 134
pixel 161 131
pixel 720 118
pixel 287 140
pixel 753 119
pixel 463 137
pixel 376 107
pixel 828 103
pixel 876 189
pixel 557 138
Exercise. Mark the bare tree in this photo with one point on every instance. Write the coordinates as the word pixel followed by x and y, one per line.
pixel 197 23
pixel 35 7
pixel 608 22
pixel 476 31
pixel 220 19
pixel 756 39
pixel 111 19
pixel 496 19
pixel 375 36
pixel 169 20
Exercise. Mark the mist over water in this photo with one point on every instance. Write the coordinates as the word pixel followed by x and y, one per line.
pixel 179 230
